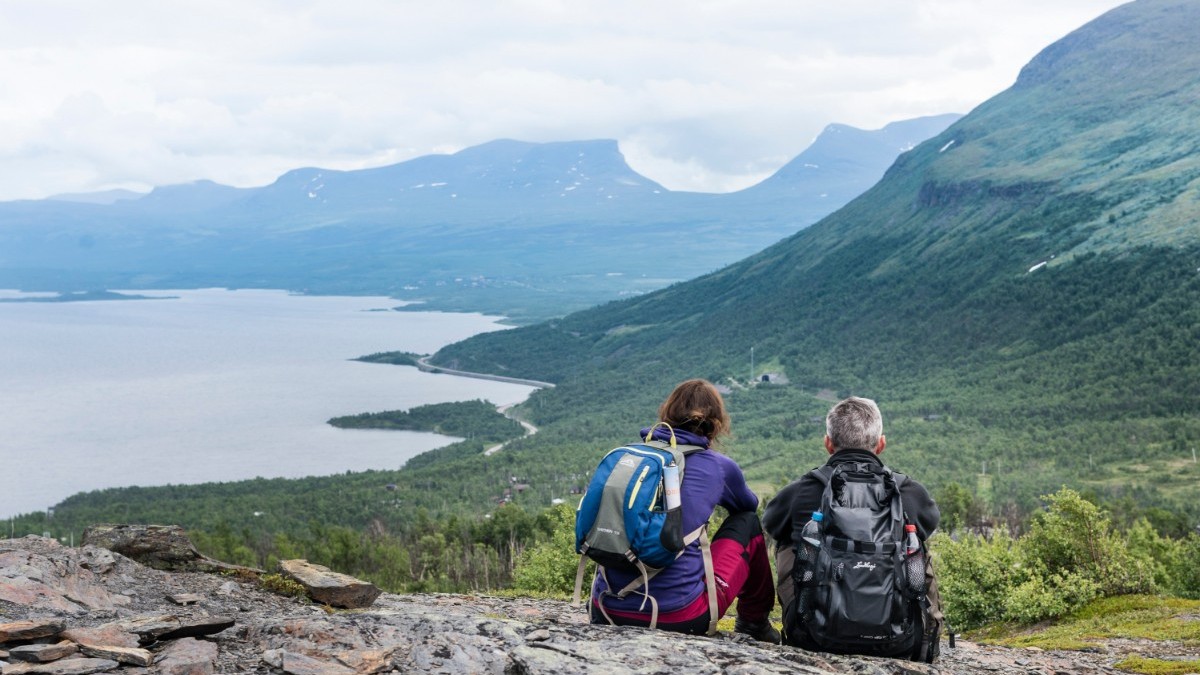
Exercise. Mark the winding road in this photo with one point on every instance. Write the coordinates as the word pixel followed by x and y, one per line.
pixel 424 365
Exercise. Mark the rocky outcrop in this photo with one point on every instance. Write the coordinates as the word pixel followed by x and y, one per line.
pixel 331 588
pixel 163 547
pixel 236 627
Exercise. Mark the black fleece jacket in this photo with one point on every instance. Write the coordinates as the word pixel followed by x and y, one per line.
pixel 789 510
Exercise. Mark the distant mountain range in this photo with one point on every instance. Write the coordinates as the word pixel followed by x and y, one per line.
pixel 527 229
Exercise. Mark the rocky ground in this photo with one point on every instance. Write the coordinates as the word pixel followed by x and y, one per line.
pixel 122 601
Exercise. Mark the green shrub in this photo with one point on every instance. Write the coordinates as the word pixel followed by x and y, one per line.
pixel 1183 570
pixel 1039 598
pixel 1155 552
pixel 975 577
pixel 1070 556
pixel 550 565
pixel 1073 537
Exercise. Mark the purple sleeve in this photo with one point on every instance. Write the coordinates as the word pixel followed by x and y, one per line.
pixel 711 479
pixel 738 496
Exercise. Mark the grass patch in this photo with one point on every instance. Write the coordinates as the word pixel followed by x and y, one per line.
pixel 1141 664
pixel 1143 617
pixel 281 585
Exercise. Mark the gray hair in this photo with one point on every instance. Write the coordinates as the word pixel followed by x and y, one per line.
pixel 854 423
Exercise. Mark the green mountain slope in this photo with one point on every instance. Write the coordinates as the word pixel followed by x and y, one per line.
pixel 1031 276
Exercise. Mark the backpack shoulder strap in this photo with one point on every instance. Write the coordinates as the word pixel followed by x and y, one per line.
pixel 679 451
pixel 822 473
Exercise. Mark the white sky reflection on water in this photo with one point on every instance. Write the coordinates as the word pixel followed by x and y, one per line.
pixel 215 385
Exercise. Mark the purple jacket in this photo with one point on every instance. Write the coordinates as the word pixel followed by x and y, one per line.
pixel 709 479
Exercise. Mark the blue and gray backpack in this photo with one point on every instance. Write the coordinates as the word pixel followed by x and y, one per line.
pixel 623 522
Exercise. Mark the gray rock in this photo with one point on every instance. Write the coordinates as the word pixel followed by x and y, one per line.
pixel 162 547
pixel 538 635
pixel 30 630
pixel 368 661
pixel 52 579
pixel 328 587
pixel 185 598
pixel 109 641
pixel 273 658
pixel 41 653
pixel 110 634
pixel 301 664
pixel 187 656
pixel 80 666
pixel 132 655
pixel 169 627
pixel 98 560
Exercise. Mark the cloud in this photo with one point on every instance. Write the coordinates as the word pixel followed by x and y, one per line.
pixel 702 95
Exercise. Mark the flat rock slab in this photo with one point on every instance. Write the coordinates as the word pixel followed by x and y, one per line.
pixel 43 653
pixel 109 634
pixel 79 666
pixel 329 587
pixel 53 580
pixel 368 661
pixel 187 656
pixel 185 598
pixel 134 656
pixel 299 664
pixel 30 630
pixel 168 627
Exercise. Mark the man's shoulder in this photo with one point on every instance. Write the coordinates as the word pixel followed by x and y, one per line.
pixel 911 484
pixel 798 488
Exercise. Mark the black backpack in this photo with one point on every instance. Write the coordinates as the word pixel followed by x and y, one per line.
pixel 860 593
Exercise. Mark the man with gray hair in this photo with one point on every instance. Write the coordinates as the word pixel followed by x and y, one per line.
pixel 853 436
pixel 855 423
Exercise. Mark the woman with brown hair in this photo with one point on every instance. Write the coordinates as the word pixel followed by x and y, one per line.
pixel 684 594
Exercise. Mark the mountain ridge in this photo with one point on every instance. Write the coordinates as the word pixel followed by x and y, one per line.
pixel 529 230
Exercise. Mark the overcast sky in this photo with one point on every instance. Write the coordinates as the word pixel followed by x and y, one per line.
pixel 701 95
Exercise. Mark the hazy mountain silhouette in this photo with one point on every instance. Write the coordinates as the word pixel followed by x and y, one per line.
pixel 528 229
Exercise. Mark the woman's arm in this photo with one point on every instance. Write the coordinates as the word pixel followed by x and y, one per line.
pixel 736 496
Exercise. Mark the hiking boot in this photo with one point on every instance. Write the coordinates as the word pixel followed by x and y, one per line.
pixel 762 631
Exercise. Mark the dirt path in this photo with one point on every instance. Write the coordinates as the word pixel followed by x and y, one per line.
pixel 423 364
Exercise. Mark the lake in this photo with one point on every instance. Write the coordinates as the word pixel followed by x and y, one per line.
pixel 211 385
